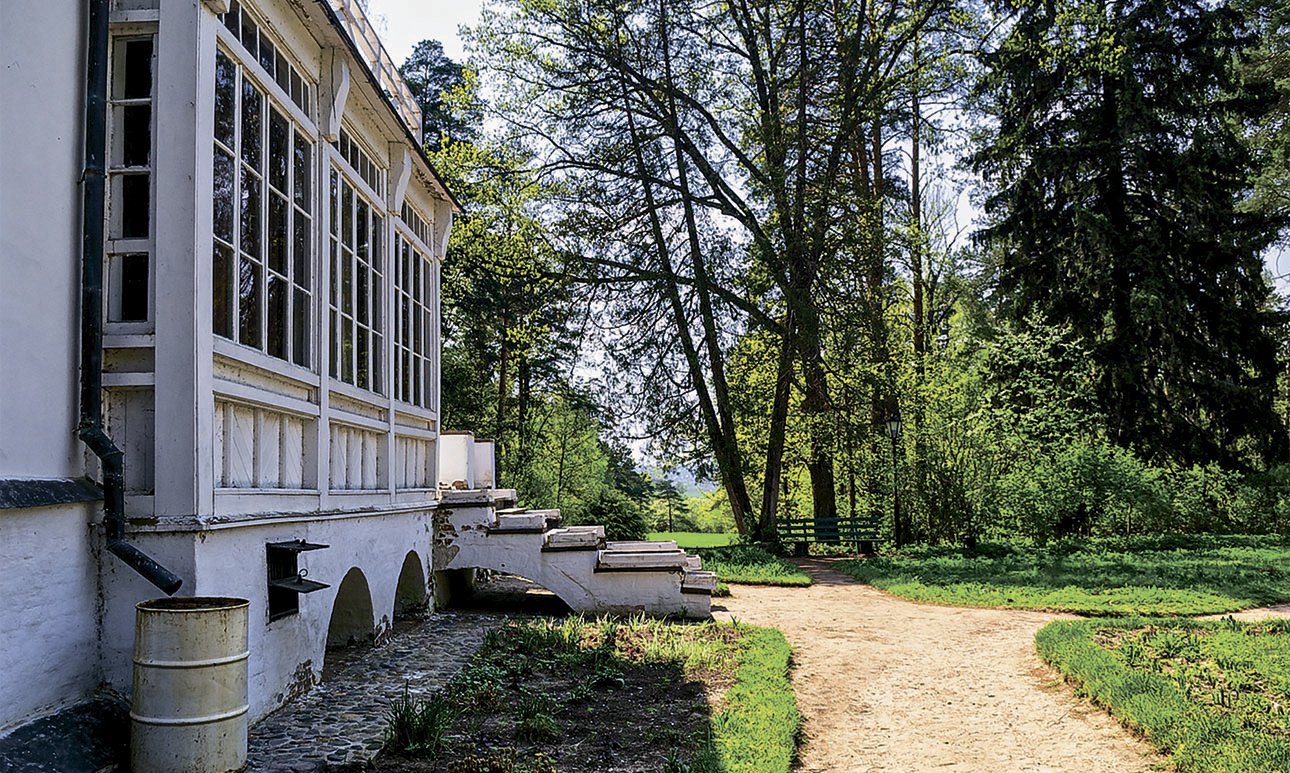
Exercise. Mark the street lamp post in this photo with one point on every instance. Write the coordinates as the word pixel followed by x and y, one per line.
pixel 893 432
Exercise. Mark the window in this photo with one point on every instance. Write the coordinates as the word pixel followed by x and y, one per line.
pixel 261 49
pixel 413 294
pixel 262 267
pixel 130 180
pixel 357 286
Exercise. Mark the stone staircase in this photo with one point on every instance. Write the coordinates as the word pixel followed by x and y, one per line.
pixel 576 563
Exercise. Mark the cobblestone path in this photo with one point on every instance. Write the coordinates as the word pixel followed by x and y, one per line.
pixel 341 721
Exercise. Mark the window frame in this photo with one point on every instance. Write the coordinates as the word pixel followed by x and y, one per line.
pixel 118 247
pixel 339 174
pixel 299 126
pixel 403 232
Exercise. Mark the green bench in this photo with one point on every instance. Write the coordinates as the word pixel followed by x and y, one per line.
pixel 862 531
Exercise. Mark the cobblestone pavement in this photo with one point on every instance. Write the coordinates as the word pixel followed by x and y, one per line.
pixel 341 721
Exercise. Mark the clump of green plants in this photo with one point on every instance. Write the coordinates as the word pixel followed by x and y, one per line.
pixel 535 718
pixel 1211 694
pixel 752 565
pixel 418 726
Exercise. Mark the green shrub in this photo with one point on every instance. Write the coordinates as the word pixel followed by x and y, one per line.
pixel 622 518
pixel 418 725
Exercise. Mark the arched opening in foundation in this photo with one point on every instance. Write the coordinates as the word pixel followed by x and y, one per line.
pixel 410 594
pixel 492 591
pixel 352 625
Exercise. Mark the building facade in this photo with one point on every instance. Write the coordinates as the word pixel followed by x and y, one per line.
pixel 272 238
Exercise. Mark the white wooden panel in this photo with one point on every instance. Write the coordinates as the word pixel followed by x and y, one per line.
pixel 220 431
pixel 138 442
pixel 240 447
pixel 292 472
pixel 370 477
pixel 337 448
pixel 268 449
pixel 354 459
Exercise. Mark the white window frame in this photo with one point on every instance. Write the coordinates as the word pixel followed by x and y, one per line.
pixel 426 359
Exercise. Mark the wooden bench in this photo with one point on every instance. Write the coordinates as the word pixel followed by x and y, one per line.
pixel 862 531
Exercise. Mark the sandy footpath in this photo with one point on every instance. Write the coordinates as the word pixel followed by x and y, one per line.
pixel 890 685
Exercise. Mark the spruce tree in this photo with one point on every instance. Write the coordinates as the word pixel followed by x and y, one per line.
pixel 1117 166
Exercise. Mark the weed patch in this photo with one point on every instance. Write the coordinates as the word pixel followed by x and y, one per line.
pixel 574 695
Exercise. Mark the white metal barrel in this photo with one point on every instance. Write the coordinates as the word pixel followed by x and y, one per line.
pixel 189 707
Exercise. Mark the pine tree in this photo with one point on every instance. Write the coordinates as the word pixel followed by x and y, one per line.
pixel 1118 165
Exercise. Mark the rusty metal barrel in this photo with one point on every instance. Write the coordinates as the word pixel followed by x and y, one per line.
pixel 189 707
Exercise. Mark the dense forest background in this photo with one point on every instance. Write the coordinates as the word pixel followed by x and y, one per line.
pixel 736 239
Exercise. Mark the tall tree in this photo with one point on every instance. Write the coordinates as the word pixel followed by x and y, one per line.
pixel 1117 166
pixel 432 76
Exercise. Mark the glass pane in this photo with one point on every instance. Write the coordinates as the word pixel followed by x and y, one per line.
pixel 362 233
pixel 294 88
pixel 279 150
pixel 220 291
pixel 300 250
pixel 249 32
pixel 135 195
pixel 138 69
pixel 250 212
pixel 278 211
pixel 364 366
pixel 282 72
pixel 136 135
pixel 223 195
pixel 278 293
pixel 300 329
pixel 347 282
pixel 335 337
pixel 332 203
pixel 134 287
pixel 267 55
pixel 334 258
pixel 248 302
pixel 231 19
pixel 346 349
pixel 303 173
pixel 225 98
pixel 347 215
pixel 377 380
pixel 362 295
pixel 251 124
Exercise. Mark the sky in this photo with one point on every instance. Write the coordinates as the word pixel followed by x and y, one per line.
pixel 404 23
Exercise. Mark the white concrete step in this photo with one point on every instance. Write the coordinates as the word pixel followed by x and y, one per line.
pixel 526 522
pixel 642 561
pixel 693 562
pixel 642 546
pixel 699 582
pixel 576 538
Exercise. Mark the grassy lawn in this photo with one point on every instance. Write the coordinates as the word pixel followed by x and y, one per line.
pixel 695 539
pixel 1163 575
pixel 1213 695
pixel 577 696
pixel 751 566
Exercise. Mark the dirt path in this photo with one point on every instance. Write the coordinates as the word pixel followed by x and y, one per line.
pixel 891 685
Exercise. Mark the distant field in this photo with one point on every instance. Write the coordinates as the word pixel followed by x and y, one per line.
pixel 695 539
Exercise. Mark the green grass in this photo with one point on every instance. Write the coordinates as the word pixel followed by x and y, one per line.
pixel 1212 695
pixel 751 566
pixel 1163 575
pixel 695 539
pixel 757 730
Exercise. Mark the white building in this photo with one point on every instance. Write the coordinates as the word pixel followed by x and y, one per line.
pixel 269 240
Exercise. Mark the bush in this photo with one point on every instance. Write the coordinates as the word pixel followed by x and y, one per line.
pixel 621 517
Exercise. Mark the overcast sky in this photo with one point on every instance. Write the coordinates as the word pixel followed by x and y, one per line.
pixel 404 23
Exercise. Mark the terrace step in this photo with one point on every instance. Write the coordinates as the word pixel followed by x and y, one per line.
pixel 612 559
pixel 699 582
pixel 693 562
pixel 642 546
pixel 520 523
pixel 576 538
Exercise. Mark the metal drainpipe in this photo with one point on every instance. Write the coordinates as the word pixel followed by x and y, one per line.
pixel 91 429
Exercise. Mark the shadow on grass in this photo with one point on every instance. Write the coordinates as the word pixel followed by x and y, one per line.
pixel 1168 575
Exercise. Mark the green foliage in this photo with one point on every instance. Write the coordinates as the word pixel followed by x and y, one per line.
pixel 1164 575
pixel 432 77
pixel 621 517
pixel 1209 694
pixel 1118 167
pixel 752 565
pixel 535 717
